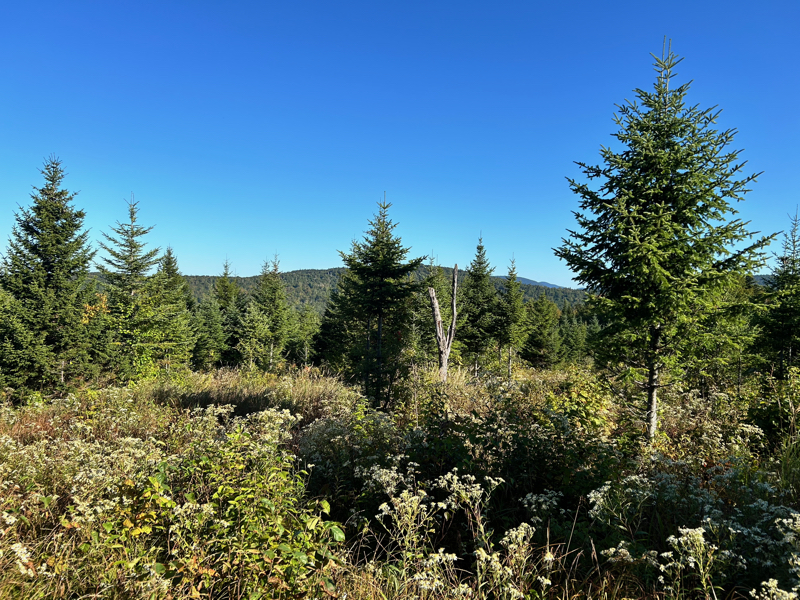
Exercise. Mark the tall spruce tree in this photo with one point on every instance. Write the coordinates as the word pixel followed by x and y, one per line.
pixel 368 317
pixel 478 320
pixel 175 288
pixel 254 337
pixel 654 238
pixel 133 300
pixel 226 290
pixel 46 271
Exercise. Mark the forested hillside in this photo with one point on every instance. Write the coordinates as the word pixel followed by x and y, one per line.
pixel 313 287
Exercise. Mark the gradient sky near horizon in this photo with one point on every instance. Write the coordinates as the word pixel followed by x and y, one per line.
pixel 250 128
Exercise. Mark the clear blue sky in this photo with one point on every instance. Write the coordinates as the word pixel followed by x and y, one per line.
pixel 249 128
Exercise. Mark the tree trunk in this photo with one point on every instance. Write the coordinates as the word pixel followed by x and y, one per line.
pixel 652 402
pixel 379 374
pixel 509 363
pixel 653 373
pixel 444 342
pixel 369 356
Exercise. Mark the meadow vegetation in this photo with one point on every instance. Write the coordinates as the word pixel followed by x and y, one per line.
pixel 245 484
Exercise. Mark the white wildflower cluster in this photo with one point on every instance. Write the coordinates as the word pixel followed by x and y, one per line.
pixel 541 506
pixel 272 426
pixel 339 444
pixel 388 480
pixel 770 591
pixel 737 515
pixel 23 559
pixel 620 553
pixel 464 490
pixel 790 529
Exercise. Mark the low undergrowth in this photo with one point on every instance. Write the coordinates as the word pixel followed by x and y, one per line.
pixel 240 484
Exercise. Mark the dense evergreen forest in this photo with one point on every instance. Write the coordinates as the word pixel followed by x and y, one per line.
pixel 314 286
pixel 392 428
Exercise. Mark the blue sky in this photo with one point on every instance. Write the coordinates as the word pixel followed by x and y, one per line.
pixel 249 128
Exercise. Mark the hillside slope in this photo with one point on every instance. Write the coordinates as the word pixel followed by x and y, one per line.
pixel 314 286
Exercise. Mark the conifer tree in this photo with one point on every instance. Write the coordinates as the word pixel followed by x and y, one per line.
pixel 133 302
pixel 543 346
pixel 232 304
pixel 654 238
pixel 21 353
pixel 478 322
pixel 368 317
pixel 780 339
pixel 574 336
pixel 254 338
pixel 337 344
pixel 174 284
pixel 128 264
pixel 46 271
pixel 304 325
pixel 226 290
pixel 511 320
pixel 173 323
pixel 270 296
pixel 210 335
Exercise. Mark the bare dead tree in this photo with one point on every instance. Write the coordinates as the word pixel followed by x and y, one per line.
pixel 445 342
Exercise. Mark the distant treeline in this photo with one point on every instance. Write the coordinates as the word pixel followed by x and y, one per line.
pixel 313 287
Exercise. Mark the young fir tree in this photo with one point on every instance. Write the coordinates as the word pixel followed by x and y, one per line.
pixel 543 345
pixel 270 296
pixel 174 284
pixel 304 325
pixel 574 336
pixel 210 342
pixel 176 334
pixel 232 304
pixel 718 352
pixel 478 319
pixel 337 343
pixel 133 300
pixel 226 290
pixel 654 238
pixel 511 318
pixel 368 317
pixel 254 337
pixel 46 271
pixel 780 339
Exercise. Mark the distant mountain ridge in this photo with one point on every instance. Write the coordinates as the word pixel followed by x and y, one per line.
pixel 314 286
pixel 532 282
